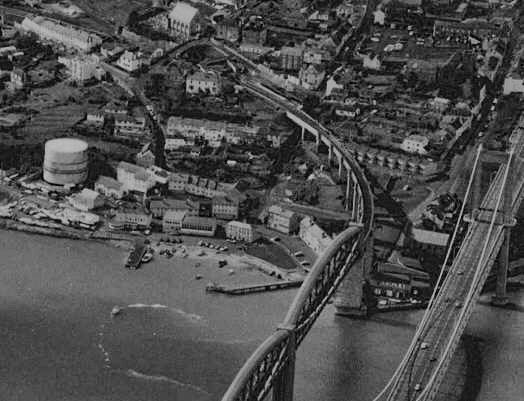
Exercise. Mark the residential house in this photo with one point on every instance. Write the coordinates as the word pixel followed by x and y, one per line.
pixel 214 132
pixel 371 61
pixel 95 118
pixel 131 127
pixel 131 61
pixel 203 82
pixel 18 79
pixel 314 236
pixel 228 29
pixel 311 76
pixel 415 144
pixel 146 157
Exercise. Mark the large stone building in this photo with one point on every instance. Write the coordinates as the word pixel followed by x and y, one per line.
pixel 63 34
pixel 283 220
pixel 184 20
pixel 239 231
pixel 134 178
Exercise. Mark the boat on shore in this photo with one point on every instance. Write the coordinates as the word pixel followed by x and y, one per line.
pixel 148 256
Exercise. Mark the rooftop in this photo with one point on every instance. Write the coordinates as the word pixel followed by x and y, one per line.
pixel 183 12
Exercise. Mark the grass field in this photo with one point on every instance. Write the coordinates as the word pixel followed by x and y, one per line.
pixel 272 253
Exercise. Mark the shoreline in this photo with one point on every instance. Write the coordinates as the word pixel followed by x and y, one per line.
pixel 125 240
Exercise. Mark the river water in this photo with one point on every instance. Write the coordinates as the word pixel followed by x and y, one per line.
pixel 175 342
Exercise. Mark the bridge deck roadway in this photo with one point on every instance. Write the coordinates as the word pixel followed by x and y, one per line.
pixel 445 323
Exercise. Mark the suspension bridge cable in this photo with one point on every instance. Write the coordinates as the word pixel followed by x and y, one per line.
pixel 423 322
pixel 471 291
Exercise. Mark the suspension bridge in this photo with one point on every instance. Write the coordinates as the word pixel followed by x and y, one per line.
pixel 419 375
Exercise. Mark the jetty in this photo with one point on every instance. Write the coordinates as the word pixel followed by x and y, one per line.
pixel 135 256
pixel 252 288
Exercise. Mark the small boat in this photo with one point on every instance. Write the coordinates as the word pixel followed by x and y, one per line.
pixel 116 311
pixel 198 277
pixel 231 272
pixel 222 263
pixel 147 257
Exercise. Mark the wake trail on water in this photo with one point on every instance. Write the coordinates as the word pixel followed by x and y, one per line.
pixel 190 316
pixel 164 379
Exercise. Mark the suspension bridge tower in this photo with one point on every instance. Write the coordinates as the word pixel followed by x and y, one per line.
pixel 488 160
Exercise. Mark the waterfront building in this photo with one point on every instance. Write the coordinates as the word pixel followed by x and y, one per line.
pixel 159 207
pixel 172 221
pixel 224 208
pixel 283 220
pixel 130 220
pixel 184 20
pixel 240 231
pixel 86 200
pixel 61 33
pixel 202 226
pixel 134 178
pixel 400 282
pixel 203 82
pixel 314 236
pixel 110 187
pixel 431 242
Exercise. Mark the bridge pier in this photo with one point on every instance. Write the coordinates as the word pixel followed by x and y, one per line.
pixel 351 298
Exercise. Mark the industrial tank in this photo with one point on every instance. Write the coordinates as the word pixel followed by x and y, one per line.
pixel 65 161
